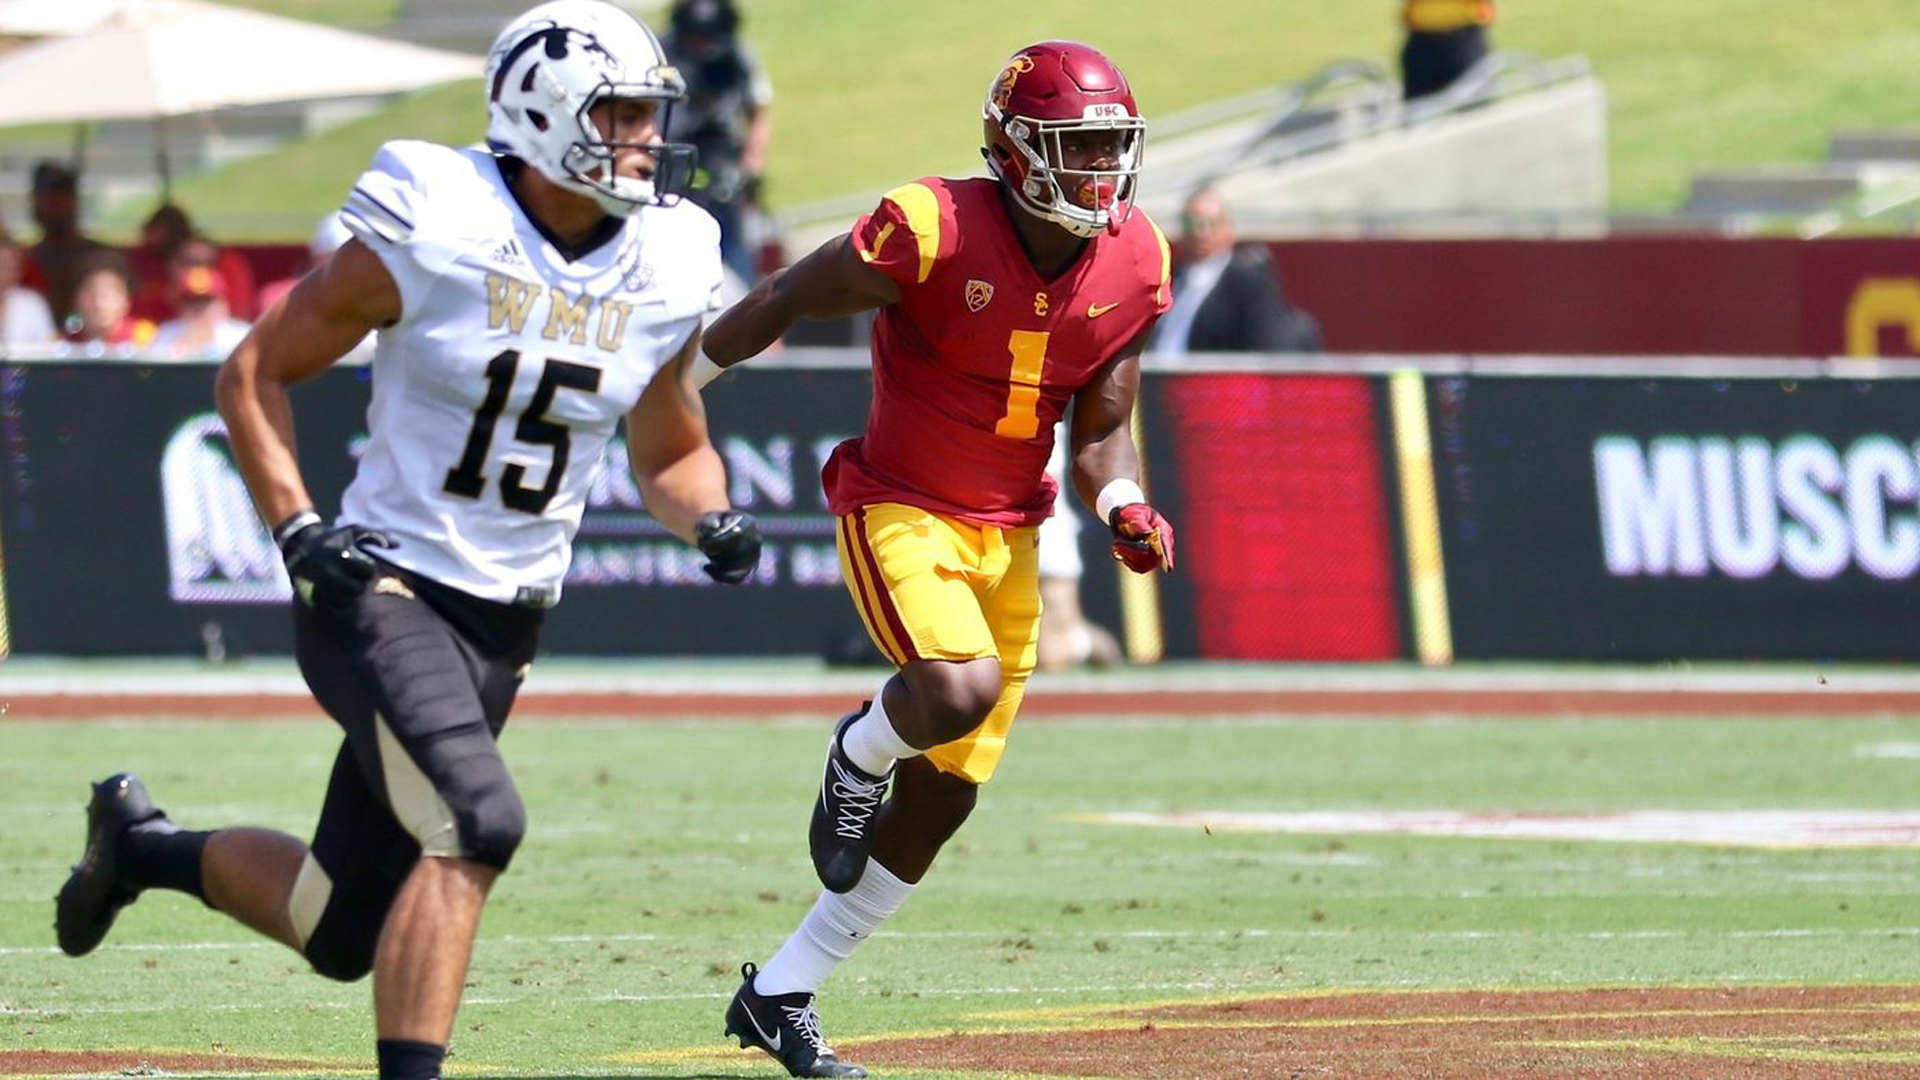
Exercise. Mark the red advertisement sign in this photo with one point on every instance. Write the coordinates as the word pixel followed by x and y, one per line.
pixel 1285 542
pixel 1646 296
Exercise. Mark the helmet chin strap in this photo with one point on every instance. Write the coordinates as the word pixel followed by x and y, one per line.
pixel 633 193
pixel 621 196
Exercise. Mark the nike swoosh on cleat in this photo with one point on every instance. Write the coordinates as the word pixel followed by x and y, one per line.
pixel 1094 311
pixel 772 1041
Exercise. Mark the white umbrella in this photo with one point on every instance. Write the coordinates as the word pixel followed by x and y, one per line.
pixel 169 57
pixel 161 58
pixel 53 18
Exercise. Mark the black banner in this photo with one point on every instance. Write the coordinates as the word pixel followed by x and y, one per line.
pixel 125 526
pixel 1650 519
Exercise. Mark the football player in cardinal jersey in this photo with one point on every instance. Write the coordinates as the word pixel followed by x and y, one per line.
pixel 1002 299
pixel 527 297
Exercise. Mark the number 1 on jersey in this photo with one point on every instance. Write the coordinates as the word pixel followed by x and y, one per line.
pixel 1022 421
pixel 465 479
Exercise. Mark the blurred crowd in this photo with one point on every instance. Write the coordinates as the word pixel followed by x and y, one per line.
pixel 174 295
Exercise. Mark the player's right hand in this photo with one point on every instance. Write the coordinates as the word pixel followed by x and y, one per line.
pixel 730 540
pixel 331 567
pixel 1142 539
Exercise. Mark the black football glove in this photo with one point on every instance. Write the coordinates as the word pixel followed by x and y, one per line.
pixel 329 567
pixel 731 542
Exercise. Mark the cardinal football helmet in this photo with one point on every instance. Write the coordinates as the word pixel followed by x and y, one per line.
pixel 1050 90
pixel 556 62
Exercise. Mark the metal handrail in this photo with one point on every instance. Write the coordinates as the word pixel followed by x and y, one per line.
pixel 1367 102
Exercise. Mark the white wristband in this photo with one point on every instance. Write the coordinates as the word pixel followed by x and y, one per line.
pixel 1117 493
pixel 703 370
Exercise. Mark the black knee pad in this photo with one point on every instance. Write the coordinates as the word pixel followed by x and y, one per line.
pixel 342 946
pixel 491 818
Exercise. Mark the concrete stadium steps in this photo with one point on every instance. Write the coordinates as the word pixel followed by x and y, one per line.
pixel 1532 163
pixel 1518 148
pixel 1867 175
pixel 1874 146
pixel 1793 189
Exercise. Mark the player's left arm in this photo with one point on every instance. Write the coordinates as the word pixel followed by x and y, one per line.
pixel 682 479
pixel 1106 464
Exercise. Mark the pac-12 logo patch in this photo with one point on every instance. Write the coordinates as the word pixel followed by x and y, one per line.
pixel 978 294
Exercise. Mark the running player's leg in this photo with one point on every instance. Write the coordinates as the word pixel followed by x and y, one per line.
pixel 245 872
pixel 908 572
pixel 912 575
pixel 422 689
pixel 933 793
pixel 934 797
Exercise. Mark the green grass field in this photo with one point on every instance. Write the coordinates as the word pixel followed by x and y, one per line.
pixel 663 854
pixel 870 93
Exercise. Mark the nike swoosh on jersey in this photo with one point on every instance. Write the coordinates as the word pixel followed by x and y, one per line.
pixel 1094 311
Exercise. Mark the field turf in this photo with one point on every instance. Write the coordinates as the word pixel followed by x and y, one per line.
pixel 664 853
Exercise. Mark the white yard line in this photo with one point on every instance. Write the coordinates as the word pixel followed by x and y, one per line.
pixel 1240 933
pixel 36 676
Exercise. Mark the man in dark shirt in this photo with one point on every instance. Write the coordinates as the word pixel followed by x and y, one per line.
pixel 62 249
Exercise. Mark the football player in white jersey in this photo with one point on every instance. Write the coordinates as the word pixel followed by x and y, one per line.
pixel 527 297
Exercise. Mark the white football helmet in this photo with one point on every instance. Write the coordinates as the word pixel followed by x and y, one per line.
pixel 554 63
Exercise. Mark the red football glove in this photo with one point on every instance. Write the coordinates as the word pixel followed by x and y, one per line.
pixel 1142 538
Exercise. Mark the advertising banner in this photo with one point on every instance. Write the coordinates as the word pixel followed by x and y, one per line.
pixel 1280 494
pixel 1679 518
pixel 125 526
pixel 1615 296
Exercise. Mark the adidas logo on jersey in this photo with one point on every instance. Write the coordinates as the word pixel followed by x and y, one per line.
pixel 508 254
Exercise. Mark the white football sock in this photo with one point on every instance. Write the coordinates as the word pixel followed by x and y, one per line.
pixel 837 925
pixel 871 743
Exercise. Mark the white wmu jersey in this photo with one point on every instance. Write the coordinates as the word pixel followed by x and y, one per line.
pixel 495 394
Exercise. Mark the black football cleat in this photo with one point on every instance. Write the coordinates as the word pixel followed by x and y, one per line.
pixel 785 1026
pixel 843 816
pixel 94 893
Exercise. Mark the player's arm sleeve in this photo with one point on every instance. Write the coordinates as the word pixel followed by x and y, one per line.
pixel 907 235
pixel 387 209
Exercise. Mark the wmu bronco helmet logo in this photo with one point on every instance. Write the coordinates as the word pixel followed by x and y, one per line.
pixel 978 294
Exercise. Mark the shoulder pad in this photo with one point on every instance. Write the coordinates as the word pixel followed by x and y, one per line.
pixel 909 232
pixel 389 199
pixel 1159 271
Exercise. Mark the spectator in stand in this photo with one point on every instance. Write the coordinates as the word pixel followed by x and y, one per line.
pixel 62 251
pixel 1226 296
pixel 24 316
pixel 103 323
pixel 1445 38
pixel 162 237
pixel 727 116
pixel 205 329
pixel 328 237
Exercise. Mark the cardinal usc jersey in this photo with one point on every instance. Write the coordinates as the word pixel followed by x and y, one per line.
pixel 978 360
pixel 495 394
